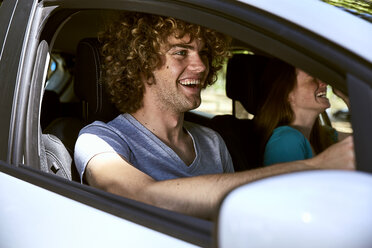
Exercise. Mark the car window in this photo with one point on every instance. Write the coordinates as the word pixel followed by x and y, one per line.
pixel 52 68
pixel 216 102
pixel 339 113
pixel 62 79
pixel 214 99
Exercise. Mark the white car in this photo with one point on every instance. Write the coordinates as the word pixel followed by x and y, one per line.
pixel 42 68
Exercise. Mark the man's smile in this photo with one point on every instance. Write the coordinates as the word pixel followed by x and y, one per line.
pixel 190 82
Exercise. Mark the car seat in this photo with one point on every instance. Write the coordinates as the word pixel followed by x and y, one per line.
pixel 88 83
pixel 60 135
pixel 242 84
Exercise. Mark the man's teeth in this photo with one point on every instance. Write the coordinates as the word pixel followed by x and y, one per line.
pixel 190 82
pixel 321 94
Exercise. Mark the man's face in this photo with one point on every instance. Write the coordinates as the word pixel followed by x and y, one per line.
pixel 178 81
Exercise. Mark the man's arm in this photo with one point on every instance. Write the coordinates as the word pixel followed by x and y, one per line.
pixel 198 196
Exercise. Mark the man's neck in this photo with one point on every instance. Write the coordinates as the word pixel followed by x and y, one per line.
pixel 166 126
pixel 169 129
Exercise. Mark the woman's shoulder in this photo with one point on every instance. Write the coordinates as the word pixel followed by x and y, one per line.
pixel 288 132
pixel 286 144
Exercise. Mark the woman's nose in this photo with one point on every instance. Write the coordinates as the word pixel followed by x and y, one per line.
pixel 322 84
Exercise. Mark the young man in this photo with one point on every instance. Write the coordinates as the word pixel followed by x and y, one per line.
pixel 155 68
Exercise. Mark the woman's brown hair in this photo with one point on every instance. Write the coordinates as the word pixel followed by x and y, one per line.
pixel 277 81
pixel 131 48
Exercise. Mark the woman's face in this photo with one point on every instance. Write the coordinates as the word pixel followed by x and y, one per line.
pixel 309 94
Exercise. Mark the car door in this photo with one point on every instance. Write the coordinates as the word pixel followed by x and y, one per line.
pixel 42 208
pixel 14 21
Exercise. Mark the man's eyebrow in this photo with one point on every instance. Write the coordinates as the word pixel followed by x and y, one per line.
pixel 182 45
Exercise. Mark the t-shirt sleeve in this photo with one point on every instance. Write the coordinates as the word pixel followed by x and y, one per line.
pixel 95 139
pixel 285 147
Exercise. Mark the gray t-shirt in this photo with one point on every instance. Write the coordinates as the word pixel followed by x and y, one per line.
pixel 141 148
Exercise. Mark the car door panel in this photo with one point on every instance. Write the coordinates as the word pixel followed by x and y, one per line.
pixel 32 216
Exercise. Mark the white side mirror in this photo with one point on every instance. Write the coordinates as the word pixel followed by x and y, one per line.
pixel 304 209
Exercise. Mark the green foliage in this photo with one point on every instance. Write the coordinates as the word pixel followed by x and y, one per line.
pixel 362 8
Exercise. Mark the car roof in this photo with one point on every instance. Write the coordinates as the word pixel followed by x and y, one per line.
pixel 348 31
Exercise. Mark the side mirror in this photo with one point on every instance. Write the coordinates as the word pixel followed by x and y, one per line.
pixel 303 209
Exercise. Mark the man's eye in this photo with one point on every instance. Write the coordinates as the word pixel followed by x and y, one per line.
pixel 182 53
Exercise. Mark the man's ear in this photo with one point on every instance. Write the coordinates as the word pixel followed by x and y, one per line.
pixel 147 78
pixel 151 79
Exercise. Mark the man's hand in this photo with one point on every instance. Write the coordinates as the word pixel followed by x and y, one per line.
pixel 338 156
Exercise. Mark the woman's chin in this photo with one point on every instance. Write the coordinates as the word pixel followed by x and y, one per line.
pixel 326 107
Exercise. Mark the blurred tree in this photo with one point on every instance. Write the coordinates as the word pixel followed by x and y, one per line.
pixel 362 8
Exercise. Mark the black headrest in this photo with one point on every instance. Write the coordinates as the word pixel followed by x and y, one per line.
pixel 242 79
pixel 88 82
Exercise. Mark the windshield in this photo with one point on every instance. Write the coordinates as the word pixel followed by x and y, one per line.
pixel 361 8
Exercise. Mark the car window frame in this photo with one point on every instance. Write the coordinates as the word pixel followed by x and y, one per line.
pixel 14 22
pixel 361 118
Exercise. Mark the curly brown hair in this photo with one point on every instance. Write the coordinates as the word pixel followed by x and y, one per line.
pixel 131 48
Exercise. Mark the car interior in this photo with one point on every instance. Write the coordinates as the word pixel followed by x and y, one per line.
pixel 74 94
pixel 94 104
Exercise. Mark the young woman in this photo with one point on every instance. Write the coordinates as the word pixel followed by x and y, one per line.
pixel 288 119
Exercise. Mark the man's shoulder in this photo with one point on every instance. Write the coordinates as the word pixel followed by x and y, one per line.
pixel 100 127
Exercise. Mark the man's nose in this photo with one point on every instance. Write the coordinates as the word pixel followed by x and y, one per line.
pixel 198 63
